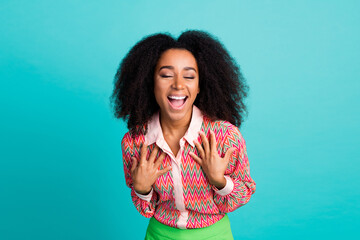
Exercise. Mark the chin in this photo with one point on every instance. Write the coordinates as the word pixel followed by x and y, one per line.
pixel 177 116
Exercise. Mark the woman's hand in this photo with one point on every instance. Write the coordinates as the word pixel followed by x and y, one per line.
pixel 145 174
pixel 213 165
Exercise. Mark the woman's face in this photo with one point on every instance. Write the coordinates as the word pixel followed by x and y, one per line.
pixel 176 84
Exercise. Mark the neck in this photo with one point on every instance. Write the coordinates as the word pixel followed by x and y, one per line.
pixel 175 128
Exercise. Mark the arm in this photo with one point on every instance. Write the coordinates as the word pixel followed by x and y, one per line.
pixel 237 192
pixel 144 204
pixel 228 170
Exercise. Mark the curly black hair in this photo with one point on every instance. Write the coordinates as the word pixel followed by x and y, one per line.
pixel 223 87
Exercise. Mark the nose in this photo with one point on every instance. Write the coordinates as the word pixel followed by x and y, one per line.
pixel 178 82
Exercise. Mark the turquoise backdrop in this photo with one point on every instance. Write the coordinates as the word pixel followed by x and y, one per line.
pixel 61 173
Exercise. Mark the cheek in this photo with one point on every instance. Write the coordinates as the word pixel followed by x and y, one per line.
pixel 159 93
pixel 156 87
pixel 196 88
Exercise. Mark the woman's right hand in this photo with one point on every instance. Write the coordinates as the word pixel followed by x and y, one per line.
pixel 146 172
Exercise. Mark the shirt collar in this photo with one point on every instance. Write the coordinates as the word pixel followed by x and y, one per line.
pixel 155 134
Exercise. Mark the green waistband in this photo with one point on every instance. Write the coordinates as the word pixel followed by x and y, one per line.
pixel 220 230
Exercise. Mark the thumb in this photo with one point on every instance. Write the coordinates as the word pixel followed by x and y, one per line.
pixel 134 164
pixel 228 153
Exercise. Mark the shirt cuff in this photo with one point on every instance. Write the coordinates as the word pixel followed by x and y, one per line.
pixel 227 189
pixel 145 197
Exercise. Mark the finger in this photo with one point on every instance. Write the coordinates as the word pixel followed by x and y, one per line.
pixel 153 154
pixel 228 153
pixel 205 143
pixel 196 158
pixel 159 161
pixel 143 153
pixel 213 144
pixel 134 164
pixel 200 149
pixel 163 171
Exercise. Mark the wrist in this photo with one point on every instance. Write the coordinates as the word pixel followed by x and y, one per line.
pixel 219 183
pixel 142 190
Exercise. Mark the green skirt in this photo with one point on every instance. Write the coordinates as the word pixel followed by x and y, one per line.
pixel 220 230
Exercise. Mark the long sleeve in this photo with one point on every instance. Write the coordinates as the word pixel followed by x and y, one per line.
pixel 145 206
pixel 240 186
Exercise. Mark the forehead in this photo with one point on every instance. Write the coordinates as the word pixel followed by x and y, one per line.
pixel 177 58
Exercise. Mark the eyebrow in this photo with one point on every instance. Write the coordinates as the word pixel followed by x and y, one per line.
pixel 171 67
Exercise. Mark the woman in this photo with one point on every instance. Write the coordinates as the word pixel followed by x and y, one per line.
pixel 184 158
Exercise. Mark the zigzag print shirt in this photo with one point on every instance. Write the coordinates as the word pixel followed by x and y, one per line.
pixel 183 197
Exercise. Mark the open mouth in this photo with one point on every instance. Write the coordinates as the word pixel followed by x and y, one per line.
pixel 177 102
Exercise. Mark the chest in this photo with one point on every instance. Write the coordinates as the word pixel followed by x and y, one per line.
pixel 173 145
pixel 186 174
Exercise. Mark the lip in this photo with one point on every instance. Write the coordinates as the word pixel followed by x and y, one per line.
pixel 179 107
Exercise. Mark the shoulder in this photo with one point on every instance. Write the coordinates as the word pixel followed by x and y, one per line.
pixel 223 125
pixel 132 142
pixel 127 143
pixel 127 139
pixel 224 130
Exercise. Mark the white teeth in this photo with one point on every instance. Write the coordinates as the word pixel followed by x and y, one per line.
pixel 177 97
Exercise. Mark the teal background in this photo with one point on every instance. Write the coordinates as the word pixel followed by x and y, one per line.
pixel 61 173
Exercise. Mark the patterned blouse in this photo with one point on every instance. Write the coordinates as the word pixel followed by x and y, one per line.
pixel 183 197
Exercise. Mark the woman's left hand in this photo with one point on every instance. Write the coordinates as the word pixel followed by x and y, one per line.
pixel 213 165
